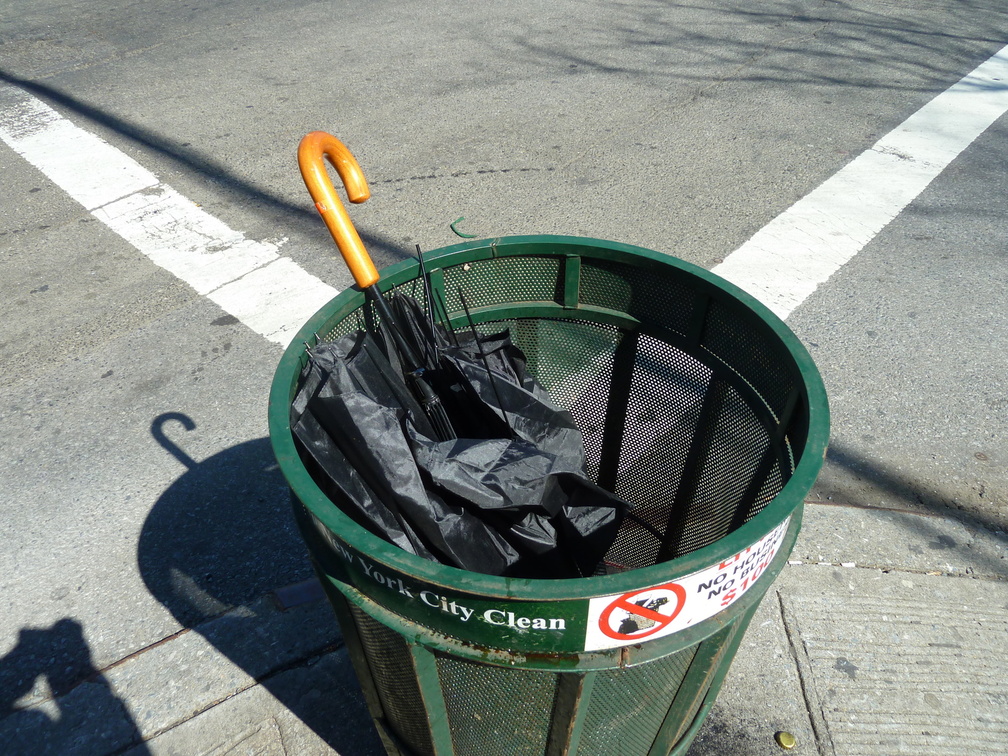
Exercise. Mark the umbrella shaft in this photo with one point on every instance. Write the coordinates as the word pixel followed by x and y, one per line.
pixel 414 368
pixel 413 364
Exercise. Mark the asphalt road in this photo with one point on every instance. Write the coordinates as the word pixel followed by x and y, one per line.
pixel 137 488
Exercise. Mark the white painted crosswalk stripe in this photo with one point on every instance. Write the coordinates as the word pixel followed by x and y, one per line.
pixel 247 278
pixel 784 263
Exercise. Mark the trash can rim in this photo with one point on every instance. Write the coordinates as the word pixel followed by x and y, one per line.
pixel 307 491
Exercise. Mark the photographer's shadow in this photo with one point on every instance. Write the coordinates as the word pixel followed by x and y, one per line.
pixel 215 549
pixel 75 711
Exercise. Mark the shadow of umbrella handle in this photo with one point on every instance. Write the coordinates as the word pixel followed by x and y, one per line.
pixel 313 148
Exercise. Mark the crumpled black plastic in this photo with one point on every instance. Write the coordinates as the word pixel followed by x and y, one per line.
pixel 508 497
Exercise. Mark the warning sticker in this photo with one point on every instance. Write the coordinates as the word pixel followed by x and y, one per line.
pixel 637 615
pixel 661 610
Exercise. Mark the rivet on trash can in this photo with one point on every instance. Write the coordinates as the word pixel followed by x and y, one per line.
pixel 785 740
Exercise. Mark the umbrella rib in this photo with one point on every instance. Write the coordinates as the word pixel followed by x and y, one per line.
pixel 430 306
pixel 486 363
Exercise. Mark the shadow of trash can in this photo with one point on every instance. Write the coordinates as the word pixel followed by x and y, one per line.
pixel 696 404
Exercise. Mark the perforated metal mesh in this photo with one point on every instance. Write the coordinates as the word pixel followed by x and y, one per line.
pixel 735 337
pixel 646 293
pixel 391 666
pixel 721 641
pixel 518 279
pixel 663 403
pixel 727 448
pixel 496 709
pixel 344 327
pixel 628 705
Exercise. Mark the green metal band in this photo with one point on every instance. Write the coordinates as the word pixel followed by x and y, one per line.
pixel 438 629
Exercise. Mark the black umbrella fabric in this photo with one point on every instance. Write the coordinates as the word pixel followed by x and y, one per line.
pixel 507 497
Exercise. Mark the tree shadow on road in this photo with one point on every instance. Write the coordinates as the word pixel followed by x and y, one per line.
pixel 302 215
pixel 850 477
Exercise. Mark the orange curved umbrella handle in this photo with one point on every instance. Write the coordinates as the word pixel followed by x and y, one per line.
pixel 311 151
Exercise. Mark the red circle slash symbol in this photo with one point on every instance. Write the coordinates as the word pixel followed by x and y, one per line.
pixel 642 613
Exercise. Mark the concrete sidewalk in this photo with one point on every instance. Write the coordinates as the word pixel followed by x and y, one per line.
pixel 885 634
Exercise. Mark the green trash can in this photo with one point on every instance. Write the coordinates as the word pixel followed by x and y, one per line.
pixel 697 405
